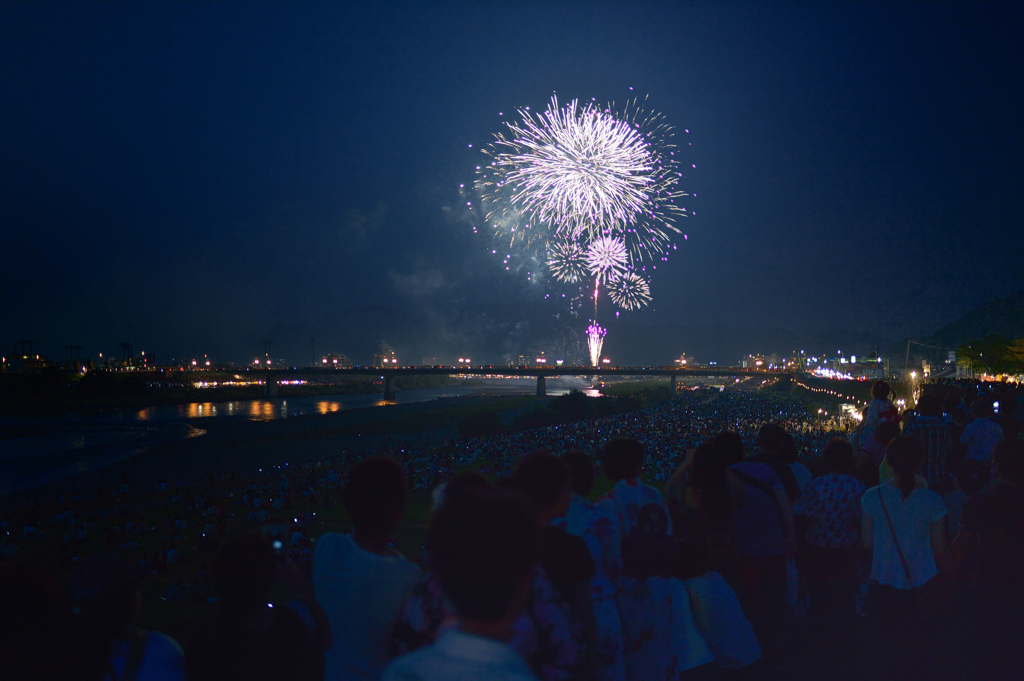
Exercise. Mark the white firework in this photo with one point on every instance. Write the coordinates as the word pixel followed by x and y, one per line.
pixel 607 259
pixel 567 261
pixel 630 291
pixel 581 171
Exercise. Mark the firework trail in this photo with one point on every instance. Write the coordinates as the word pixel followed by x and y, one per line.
pixel 595 340
pixel 630 291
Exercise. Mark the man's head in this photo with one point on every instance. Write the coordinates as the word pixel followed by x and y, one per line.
pixel 1008 460
pixel 981 408
pixel 623 458
pixel 886 432
pixel 484 548
pixel 929 405
pixel 729 445
pixel 543 479
pixel 375 496
pixel 244 571
pixel 838 456
pixel 582 471
pixel 771 439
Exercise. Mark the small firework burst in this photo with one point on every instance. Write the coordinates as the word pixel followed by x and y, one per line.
pixel 630 291
pixel 607 259
pixel 567 261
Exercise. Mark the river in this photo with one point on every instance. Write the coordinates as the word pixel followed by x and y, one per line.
pixel 74 444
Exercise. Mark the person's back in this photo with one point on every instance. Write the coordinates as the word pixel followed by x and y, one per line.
pixel 901 522
pixel 104 592
pixel 359 580
pixel 934 436
pixel 362 593
pixel 982 434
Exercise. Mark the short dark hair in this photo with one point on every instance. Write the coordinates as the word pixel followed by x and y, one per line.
pixel 886 432
pixel 929 405
pixel 244 570
pixel 623 458
pixel 1008 459
pixel 981 407
pixel 772 437
pixel 880 390
pixel 483 544
pixel 464 483
pixel 838 456
pixel 375 493
pixel 790 452
pixel 581 471
pixel 542 478
pixel 729 445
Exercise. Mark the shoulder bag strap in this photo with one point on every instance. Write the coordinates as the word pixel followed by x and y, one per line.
pixel 892 530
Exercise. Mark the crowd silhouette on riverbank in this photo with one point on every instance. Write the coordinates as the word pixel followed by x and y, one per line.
pixel 743 536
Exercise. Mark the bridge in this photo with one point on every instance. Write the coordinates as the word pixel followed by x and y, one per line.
pixel 540 372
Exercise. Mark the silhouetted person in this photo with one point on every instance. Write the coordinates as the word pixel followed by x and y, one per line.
pixel 105 600
pixel 993 533
pixel 360 580
pixel 544 480
pixel 484 548
pixel 249 639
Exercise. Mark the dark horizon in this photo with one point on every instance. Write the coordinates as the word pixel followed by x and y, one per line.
pixel 194 179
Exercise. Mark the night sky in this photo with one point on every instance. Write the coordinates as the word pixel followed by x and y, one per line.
pixel 190 177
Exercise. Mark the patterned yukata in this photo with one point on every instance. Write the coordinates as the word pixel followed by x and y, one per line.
pixel 543 636
pixel 659 635
pixel 598 527
pixel 833 509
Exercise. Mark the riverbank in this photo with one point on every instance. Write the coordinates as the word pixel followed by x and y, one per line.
pixel 229 446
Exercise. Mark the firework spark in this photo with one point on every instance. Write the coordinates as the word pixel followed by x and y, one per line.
pixel 567 261
pixel 607 259
pixel 630 291
pixel 595 340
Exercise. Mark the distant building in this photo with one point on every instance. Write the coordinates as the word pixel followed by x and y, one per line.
pixel 386 359
pixel 336 360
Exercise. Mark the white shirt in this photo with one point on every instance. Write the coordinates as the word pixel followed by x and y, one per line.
pixel 912 519
pixel 458 656
pixel 362 594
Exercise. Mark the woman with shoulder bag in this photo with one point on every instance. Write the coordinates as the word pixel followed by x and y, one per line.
pixel 903 529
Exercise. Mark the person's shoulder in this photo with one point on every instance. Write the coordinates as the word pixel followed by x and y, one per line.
pixel 163 645
pixel 869 501
pixel 331 542
pixel 411 666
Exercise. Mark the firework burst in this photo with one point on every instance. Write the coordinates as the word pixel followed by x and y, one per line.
pixel 607 259
pixel 567 261
pixel 581 171
pixel 630 291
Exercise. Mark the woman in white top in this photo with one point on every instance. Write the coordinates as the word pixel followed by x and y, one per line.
pixel 904 528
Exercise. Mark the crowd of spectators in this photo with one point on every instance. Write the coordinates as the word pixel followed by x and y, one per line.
pixel 765 515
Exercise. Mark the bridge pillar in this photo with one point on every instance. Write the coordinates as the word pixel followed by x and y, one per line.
pixel 672 385
pixel 542 386
pixel 389 388
pixel 271 386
